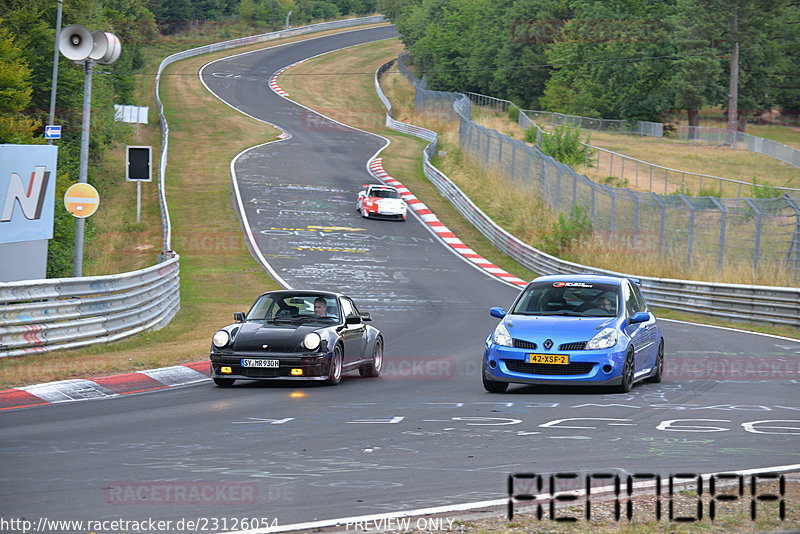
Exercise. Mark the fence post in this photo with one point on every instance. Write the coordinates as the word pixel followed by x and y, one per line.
pixel 528 151
pixel 796 238
pixel 611 228
pixel 477 142
pixel 663 216
pixel 757 237
pixel 558 184
pixel 488 147
pixel 499 150
pixel 635 216
pixel 691 232
pixel 513 157
pixel 574 189
pixel 546 183
pixel 721 231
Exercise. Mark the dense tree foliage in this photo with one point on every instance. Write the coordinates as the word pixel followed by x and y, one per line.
pixel 628 59
pixel 27 34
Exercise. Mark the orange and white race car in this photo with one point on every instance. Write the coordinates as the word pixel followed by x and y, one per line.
pixel 381 201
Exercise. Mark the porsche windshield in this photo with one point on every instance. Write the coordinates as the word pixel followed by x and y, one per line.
pixel 294 308
pixel 580 299
pixel 384 193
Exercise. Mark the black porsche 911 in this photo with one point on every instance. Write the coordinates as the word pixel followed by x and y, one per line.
pixel 297 335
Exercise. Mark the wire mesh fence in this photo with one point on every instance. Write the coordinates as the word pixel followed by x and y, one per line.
pixel 757 232
pixel 722 136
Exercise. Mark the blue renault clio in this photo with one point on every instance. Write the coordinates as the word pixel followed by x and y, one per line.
pixel 587 330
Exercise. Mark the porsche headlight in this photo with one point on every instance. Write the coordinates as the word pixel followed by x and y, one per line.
pixel 502 337
pixel 220 339
pixel 605 339
pixel 311 341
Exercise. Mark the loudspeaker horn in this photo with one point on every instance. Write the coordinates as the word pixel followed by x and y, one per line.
pixel 113 50
pixel 75 42
pixel 106 47
pixel 99 45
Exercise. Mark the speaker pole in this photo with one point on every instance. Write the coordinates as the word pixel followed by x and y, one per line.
pixel 77 263
pixel 55 69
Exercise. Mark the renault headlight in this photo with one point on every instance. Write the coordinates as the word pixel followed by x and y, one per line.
pixel 220 339
pixel 605 339
pixel 312 341
pixel 501 336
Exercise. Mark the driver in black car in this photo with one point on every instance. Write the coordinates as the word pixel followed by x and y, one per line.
pixel 320 307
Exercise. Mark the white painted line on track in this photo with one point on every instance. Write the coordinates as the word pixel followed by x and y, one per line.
pixel 418 209
pixel 645 484
pixel 729 329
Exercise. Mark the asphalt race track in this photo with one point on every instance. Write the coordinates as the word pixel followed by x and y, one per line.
pixel 425 433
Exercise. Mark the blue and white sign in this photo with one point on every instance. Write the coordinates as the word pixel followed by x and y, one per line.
pixel 52 131
pixel 27 192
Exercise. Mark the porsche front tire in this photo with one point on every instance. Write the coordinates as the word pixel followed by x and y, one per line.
pixel 335 369
pixel 224 382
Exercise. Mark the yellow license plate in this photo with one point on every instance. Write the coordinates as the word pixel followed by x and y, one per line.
pixel 558 359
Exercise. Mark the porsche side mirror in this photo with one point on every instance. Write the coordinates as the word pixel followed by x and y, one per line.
pixel 354 319
pixel 238 317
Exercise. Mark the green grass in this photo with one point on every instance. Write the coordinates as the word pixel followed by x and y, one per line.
pixel 489 191
pixel 215 262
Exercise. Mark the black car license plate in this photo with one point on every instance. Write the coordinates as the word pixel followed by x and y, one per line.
pixel 248 362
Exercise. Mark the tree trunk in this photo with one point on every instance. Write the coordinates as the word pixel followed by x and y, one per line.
pixel 733 94
pixel 694 121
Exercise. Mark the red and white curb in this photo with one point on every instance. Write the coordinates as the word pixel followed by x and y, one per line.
pixel 273 81
pixel 424 213
pixel 446 235
pixel 105 386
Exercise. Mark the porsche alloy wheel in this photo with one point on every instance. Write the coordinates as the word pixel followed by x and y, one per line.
pixel 627 373
pixel 224 382
pixel 373 369
pixel 658 375
pixel 335 371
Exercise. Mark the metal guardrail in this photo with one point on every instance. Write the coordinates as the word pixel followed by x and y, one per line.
pixel 766 304
pixel 166 227
pixel 64 313
pixel 45 315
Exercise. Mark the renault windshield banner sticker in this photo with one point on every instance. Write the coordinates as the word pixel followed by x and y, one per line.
pixel 27 192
